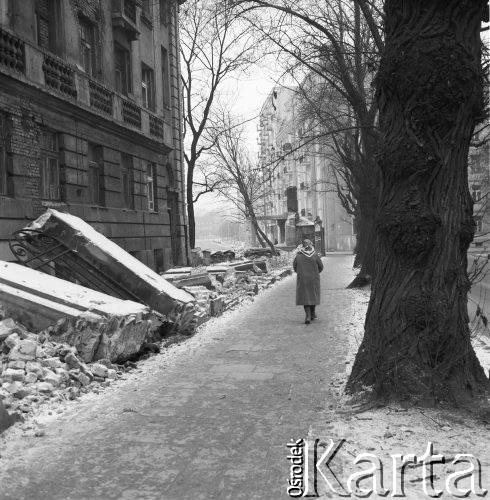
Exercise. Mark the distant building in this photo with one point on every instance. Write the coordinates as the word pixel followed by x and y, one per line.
pixel 479 184
pixel 300 200
pixel 90 121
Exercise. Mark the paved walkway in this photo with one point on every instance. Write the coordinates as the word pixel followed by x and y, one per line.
pixel 211 424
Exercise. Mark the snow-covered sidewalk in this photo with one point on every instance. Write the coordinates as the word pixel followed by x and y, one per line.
pixel 211 418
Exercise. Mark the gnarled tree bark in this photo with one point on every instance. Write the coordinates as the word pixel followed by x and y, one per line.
pixel 430 96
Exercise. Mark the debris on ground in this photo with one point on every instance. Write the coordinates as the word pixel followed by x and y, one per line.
pixel 98 325
pixel 70 355
pixel 34 369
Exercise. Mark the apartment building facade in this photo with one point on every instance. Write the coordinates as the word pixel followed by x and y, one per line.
pixel 91 121
pixel 479 184
pixel 299 200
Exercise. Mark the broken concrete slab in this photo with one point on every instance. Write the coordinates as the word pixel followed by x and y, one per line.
pixel 179 270
pixel 7 327
pixel 98 325
pixel 248 265
pixel 201 279
pixel 101 264
pixel 171 278
pixel 218 269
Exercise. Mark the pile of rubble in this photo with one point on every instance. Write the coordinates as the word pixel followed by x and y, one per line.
pixel 221 287
pixel 63 335
pixel 34 369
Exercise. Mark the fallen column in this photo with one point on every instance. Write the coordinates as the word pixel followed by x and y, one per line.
pixel 98 325
pixel 81 254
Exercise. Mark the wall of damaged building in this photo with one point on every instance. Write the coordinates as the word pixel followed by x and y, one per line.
pixel 77 135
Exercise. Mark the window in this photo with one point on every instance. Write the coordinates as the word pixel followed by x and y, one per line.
pixel 87 47
pixel 165 11
pixel 3 156
pixel 148 88
pixel 96 174
pixel 151 186
pixel 123 69
pixel 476 192
pixel 475 164
pixel 127 180
pixel 170 176
pixel 47 19
pixel 165 78
pixel 50 169
pixel 146 11
pixel 479 224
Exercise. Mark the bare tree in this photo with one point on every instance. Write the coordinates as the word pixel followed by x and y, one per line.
pixel 215 45
pixel 338 42
pixel 430 97
pixel 238 178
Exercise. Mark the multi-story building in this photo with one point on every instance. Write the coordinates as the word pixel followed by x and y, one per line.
pixel 479 184
pixel 90 121
pixel 299 200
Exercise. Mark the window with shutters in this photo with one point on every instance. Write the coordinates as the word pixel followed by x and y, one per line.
pixel 49 168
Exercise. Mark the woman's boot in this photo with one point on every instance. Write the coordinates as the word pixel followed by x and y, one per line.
pixel 308 315
pixel 313 314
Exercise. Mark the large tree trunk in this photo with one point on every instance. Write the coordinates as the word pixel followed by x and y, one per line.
pixel 417 339
pixel 364 250
pixel 191 220
pixel 365 236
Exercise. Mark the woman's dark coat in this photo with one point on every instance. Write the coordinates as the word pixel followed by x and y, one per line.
pixel 308 266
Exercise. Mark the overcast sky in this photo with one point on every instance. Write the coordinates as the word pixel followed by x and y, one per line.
pixel 246 96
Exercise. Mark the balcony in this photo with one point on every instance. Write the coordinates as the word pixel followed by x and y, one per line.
pixel 59 76
pixel 101 98
pixel 28 63
pixel 131 113
pixel 156 127
pixel 124 17
pixel 11 52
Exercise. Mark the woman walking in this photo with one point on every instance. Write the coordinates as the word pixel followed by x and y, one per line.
pixel 308 266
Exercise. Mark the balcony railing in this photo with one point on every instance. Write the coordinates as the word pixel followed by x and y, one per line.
pixel 131 113
pixel 28 63
pixel 11 52
pixel 59 76
pixel 101 98
pixel 156 127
